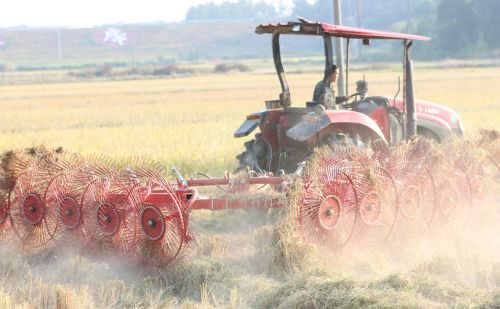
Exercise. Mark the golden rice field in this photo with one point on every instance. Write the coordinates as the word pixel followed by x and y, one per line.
pixel 189 121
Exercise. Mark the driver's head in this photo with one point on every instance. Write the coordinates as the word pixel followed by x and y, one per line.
pixel 335 73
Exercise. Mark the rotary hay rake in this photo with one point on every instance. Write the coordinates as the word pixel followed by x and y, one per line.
pixel 343 193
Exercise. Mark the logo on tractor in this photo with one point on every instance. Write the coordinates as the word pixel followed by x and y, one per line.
pixel 428 110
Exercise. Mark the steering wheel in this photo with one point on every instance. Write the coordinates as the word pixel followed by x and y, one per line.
pixel 343 100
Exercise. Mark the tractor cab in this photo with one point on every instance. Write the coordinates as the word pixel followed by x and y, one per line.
pixel 289 133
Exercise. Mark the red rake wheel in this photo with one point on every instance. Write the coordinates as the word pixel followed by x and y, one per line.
pixel 327 211
pixel 371 208
pixel 428 196
pixel 411 202
pixel 64 194
pixel 454 200
pixel 378 206
pixel 389 199
pixel 162 232
pixel 328 207
pixel 449 200
pixel 152 222
pixel 162 229
pixel 33 209
pixel 378 213
pixel 109 216
pixel 94 194
pixel 108 219
pixel 418 199
pixel 69 212
pixel 32 220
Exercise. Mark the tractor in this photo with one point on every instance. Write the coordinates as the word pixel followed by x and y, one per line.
pixel 289 134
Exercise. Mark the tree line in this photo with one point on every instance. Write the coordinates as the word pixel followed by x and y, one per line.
pixel 459 28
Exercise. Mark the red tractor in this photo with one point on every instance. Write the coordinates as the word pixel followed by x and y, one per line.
pixel 288 134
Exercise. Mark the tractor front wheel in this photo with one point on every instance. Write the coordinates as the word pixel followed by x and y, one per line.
pixel 257 155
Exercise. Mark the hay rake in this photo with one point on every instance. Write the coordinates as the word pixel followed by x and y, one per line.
pixel 343 194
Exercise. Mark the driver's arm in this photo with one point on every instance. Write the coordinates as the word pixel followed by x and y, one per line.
pixel 318 90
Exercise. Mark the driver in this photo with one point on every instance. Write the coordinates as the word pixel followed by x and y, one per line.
pixel 319 90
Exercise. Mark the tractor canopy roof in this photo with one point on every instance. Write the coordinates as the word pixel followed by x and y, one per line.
pixel 306 27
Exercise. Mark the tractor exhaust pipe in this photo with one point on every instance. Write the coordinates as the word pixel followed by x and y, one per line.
pixel 411 114
pixel 411 121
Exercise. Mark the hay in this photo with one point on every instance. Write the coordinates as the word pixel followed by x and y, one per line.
pixel 320 290
pixel 189 279
pixel 289 254
pixel 14 162
pixel 67 298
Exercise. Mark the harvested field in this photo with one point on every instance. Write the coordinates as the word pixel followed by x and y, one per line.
pixel 245 261
pixel 246 258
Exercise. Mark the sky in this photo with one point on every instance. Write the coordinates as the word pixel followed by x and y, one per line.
pixel 77 13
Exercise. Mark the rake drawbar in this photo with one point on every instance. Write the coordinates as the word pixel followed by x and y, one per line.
pixel 241 185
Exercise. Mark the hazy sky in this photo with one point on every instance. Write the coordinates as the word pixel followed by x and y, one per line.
pixel 91 12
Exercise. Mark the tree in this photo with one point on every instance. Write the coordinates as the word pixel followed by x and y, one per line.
pixel 243 9
pixel 456 26
pixel 489 21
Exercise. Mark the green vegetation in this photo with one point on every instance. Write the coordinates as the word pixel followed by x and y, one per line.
pixel 243 9
pixel 460 28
